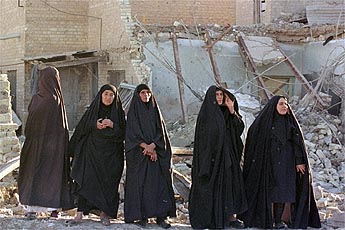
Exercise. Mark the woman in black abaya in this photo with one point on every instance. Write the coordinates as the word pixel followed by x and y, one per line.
pixel 43 180
pixel 217 192
pixel 97 148
pixel 276 171
pixel 148 188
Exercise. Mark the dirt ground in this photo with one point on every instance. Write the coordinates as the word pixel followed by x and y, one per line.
pixel 8 220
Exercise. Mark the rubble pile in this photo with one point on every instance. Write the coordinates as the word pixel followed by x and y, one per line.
pixel 326 153
pixel 291 17
pixel 9 143
pixel 282 31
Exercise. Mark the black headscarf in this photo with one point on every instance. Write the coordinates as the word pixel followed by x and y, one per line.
pixel 258 175
pixel 217 186
pixel 95 111
pixel 146 123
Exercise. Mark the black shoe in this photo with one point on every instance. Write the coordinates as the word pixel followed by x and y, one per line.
pixel 236 224
pixel 163 223
pixel 142 223
pixel 281 225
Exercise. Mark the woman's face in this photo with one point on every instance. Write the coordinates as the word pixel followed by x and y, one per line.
pixel 108 97
pixel 282 106
pixel 145 95
pixel 219 97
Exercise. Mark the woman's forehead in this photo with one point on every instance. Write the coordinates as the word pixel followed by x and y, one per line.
pixel 282 99
pixel 108 91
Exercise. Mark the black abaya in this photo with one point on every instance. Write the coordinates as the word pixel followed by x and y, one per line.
pixel 217 185
pixel 44 166
pixel 260 170
pixel 148 188
pixel 98 155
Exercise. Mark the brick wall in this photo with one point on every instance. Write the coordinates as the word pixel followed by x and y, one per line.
pixel 55 26
pixel 116 37
pixel 244 12
pixel 11 32
pixel 190 11
pixel 12 40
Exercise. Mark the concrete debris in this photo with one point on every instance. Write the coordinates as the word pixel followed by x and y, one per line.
pixel 262 50
pixel 283 31
pixel 9 143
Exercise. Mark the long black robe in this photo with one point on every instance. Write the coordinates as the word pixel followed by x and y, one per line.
pixel 259 178
pixel 148 187
pixel 98 155
pixel 217 184
pixel 44 166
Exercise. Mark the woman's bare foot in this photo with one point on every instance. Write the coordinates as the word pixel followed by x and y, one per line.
pixel 76 220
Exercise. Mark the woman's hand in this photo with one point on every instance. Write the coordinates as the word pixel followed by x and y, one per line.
pixel 153 156
pixel 300 168
pixel 229 103
pixel 108 123
pixel 99 124
pixel 151 147
pixel 150 151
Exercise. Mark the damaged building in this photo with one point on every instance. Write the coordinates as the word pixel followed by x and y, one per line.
pixel 255 48
pixel 95 42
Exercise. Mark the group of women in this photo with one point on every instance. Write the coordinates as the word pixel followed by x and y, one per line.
pixel 95 155
pixel 271 190
pixel 273 187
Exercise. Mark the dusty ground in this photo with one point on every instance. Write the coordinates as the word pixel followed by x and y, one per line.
pixel 19 222
pixel 12 217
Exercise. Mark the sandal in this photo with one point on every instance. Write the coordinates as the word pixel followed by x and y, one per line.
pixel 105 221
pixel 54 214
pixel 72 222
pixel 30 215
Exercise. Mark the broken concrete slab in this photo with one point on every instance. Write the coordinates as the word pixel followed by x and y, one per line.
pixel 263 50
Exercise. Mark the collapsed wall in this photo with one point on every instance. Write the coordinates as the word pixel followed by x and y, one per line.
pixel 9 143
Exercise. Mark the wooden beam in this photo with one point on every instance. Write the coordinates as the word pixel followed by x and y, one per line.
pixel 74 62
pixel 179 75
pixel 219 38
pixel 300 77
pixel 9 166
pixel 182 151
pixel 182 184
pixel 212 58
pixel 245 52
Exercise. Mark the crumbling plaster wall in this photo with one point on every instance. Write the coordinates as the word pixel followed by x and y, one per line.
pixel 197 71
